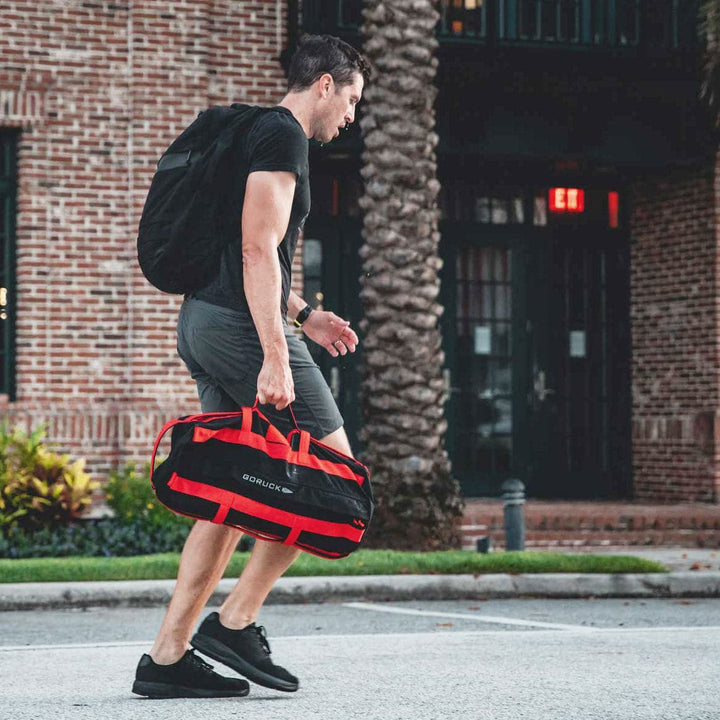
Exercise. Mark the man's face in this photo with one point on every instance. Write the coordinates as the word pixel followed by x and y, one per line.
pixel 337 108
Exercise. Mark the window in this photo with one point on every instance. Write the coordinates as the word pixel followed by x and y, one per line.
pixel 484 347
pixel 571 22
pixel 312 272
pixel 8 181
pixel 627 22
pixel 685 14
pixel 463 18
pixel 349 14
pixel 542 20
pixel 465 202
pixel 507 210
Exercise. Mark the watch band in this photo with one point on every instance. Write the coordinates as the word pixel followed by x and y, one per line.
pixel 302 316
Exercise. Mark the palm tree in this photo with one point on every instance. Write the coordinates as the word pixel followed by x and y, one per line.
pixel 419 505
pixel 710 30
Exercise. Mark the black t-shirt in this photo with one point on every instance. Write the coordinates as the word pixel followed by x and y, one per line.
pixel 276 141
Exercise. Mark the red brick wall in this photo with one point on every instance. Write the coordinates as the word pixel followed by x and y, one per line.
pixel 676 355
pixel 99 89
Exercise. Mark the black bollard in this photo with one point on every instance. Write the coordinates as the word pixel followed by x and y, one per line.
pixel 484 544
pixel 513 495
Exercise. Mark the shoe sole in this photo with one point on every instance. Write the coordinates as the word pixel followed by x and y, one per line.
pixel 164 690
pixel 222 653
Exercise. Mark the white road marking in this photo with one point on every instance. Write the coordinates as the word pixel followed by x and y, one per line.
pixel 661 628
pixel 76 646
pixel 354 636
pixel 494 619
pixel 276 639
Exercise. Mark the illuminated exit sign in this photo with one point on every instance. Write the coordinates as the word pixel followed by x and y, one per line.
pixel 567 200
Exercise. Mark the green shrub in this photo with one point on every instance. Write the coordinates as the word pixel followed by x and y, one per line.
pixel 38 487
pixel 106 537
pixel 129 494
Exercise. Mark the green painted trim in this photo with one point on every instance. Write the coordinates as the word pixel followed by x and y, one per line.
pixel 611 37
pixel 508 13
pixel 8 196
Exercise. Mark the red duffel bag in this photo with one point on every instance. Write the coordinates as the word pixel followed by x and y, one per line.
pixel 238 469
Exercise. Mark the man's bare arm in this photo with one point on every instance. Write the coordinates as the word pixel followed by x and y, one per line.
pixel 266 214
pixel 295 305
pixel 325 328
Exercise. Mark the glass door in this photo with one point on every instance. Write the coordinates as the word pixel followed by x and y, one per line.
pixel 537 339
pixel 578 386
pixel 483 340
pixel 483 382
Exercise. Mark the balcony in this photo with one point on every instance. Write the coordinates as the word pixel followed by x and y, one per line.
pixel 654 25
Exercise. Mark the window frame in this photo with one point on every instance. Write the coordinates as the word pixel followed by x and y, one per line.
pixel 8 259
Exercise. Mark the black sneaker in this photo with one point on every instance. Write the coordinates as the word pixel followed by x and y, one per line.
pixel 246 651
pixel 188 677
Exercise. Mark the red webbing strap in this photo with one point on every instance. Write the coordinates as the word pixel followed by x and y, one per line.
pixel 292 415
pixel 304 447
pixel 221 514
pixel 274 435
pixel 206 417
pixel 247 415
pixel 292 536
pixel 259 412
pixel 226 498
pixel 277 451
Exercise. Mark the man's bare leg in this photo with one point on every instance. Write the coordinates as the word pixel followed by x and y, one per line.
pixel 268 562
pixel 205 556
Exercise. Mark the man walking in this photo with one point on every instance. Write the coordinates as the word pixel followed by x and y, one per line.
pixel 234 339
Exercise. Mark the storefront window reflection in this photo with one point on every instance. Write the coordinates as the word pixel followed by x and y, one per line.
pixel 312 272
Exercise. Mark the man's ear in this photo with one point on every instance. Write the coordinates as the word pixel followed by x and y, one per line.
pixel 325 84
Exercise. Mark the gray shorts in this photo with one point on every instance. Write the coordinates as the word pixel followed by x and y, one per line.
pixel 222 351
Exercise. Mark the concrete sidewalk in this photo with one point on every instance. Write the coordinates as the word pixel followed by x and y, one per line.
pixel 693 573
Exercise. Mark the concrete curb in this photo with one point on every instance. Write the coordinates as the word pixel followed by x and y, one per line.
pixel 148 593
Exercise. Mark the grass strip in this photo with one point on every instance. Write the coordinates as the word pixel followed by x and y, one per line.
pixel 363 562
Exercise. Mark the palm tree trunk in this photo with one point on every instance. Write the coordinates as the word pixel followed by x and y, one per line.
pixel 710 30
pixel 418 502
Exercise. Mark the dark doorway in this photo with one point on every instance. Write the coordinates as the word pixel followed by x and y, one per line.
pixel 538 349
pixel 577 428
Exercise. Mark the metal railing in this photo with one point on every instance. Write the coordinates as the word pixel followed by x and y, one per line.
pixel 668 24
pixel 573 22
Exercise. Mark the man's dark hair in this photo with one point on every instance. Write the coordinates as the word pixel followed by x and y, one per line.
pixel 320 54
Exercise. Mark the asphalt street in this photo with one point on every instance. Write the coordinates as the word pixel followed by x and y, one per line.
pixel 499 659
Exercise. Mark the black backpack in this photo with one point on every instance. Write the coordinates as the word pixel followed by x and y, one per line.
pixel 194 206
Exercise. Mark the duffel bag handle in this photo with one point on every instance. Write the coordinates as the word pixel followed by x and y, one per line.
pixel 259 412
pixel 246 425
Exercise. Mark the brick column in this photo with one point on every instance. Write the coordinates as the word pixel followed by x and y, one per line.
pixel 675 349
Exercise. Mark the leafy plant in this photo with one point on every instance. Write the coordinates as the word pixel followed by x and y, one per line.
pixel 106 537
pixel 38 487
pixel 129 494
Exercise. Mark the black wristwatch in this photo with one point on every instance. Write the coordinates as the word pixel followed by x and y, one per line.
pixel 303 315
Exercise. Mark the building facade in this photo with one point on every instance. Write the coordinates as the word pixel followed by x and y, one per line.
pixel 579 238
pixel 91 93
pixel 580 224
